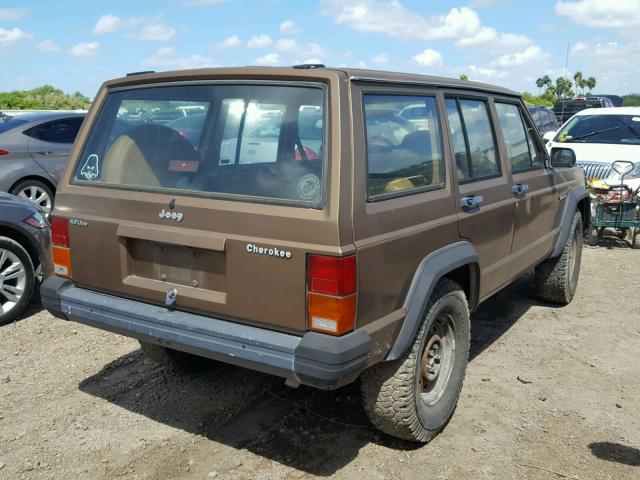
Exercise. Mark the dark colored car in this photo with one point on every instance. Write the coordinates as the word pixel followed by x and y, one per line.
pixel 34 149
pixel 544 119
pixel 24 255
pixel 362 260
pixel 566 108
pixel 617 100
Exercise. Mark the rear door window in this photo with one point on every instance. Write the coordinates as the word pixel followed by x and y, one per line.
pixel 518 140
pixel 58 131
pixel 470 125
pixel 258 142
pixel 403 156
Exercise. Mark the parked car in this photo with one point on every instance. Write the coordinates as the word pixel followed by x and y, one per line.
pixel 599 137
pixel 566 108
pixel 363 263
pixel 616 100
pixel 24 255
pixel 33 153
pixel 544 119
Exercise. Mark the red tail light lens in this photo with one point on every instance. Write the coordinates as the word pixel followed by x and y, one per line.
pixel 331 295
pixel 60 250
pixel 4 152
pixel 59 231
pixel 332 275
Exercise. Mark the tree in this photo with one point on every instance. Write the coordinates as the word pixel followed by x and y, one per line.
pixel 590 84
pixel 563 88
pixel 45 97
pixel 578 78
pixel 544 82
pixel 464 77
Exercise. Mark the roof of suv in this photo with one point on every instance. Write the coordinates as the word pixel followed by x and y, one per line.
pixel 354 74
pixel 610 111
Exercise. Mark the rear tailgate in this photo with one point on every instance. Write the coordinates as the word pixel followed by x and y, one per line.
pixel 254 275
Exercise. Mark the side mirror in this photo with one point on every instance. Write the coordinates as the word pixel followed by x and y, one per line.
pixel 563 158
pixel 548 136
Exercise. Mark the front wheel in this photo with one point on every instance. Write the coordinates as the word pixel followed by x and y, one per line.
pixel 37 192
pixel 17 280
pixel 414 397
pixel 557 278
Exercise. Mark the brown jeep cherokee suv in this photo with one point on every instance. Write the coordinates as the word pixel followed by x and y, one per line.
pixel 313 223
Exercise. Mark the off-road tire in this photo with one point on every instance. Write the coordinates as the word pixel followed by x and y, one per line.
pixel 19 251
pixel 391 390
pixel 175 360
pixel 557 278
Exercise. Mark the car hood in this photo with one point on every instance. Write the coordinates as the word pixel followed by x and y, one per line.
pixel 601 152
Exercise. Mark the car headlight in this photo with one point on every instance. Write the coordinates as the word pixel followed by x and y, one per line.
pixel 37 220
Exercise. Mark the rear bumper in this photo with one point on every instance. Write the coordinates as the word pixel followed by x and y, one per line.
pixel 313 359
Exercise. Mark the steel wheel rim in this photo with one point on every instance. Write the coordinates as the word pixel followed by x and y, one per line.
pixel 437 359
pixel 37 195
pixel 13 281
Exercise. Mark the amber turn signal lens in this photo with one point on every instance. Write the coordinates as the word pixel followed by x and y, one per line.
pixel 333 315
pixel 61 261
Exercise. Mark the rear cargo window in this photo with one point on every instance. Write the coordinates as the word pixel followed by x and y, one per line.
pixel 250 142
pixel 404 146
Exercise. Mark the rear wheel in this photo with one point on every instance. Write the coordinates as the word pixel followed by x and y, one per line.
pixel 17 280
pixel 37 192
pixel 414 397
pixel 557 278
pixel 175 360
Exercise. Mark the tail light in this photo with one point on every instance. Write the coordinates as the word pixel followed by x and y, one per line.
pixel 60 249
pixel 331 294
pixel 4 152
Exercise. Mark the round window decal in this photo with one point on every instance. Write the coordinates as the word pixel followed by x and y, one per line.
pixel 309 187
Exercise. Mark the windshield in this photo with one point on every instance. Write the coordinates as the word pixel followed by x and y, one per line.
pixel 615 129
pixel 7 123
pixel 257 142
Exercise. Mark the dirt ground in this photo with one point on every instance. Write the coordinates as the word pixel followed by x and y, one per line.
pixel 549 393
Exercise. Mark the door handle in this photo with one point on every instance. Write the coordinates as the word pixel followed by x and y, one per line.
pixel 471 202
pixel 44 153
pixel 520 188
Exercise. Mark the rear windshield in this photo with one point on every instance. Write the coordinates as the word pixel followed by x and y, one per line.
pixel 614 129
pixel 573 107
pixel 7 123
pixel 248 142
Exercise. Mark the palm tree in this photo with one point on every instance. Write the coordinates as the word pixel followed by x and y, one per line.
pixel 590 83
pixel 544 82
pixel 464 77
pixel 577 78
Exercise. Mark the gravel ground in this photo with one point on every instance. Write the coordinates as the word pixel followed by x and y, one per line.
pixel 549 393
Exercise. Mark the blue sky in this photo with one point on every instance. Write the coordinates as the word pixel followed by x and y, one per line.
pixel 76 45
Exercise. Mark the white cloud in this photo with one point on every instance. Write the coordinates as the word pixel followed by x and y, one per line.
pixel 268 59
pixel 613 64
pixel 529 54
pixel 486 73
pixel 156 32
pixel 203 3
pixel 48 46
pixel 428 58
pixel 286 44
pixel 231 42
pixel 7 37
pixel 112 23
pixel 85 50
pixel 259 41
pixel 289 27
pixel 489 37
pixel 381 59
pixel 392 18
pixel 164 58
pixel 12 13
pixel 601 13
